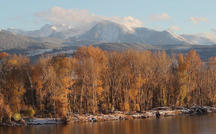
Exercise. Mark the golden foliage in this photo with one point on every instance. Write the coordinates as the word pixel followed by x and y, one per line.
pixel 95 81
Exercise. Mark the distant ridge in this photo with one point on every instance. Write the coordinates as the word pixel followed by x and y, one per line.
pixel 107 35
pixel 9 40
pixel 105 32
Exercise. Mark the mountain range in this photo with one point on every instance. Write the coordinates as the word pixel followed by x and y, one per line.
pixel 105 34
pixel 109 32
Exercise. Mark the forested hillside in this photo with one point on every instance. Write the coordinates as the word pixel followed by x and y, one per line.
pixel 96 81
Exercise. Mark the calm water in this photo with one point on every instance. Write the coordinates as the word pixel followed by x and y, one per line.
pixel 205 124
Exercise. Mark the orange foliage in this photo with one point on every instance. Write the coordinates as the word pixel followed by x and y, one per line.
pixel 3 55
pixel 95 81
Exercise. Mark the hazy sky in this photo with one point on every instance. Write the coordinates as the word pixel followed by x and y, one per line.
pixel 181 16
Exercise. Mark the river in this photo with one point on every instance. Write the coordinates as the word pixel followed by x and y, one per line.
pixel 204 124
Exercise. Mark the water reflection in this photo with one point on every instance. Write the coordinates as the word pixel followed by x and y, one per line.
pixel 170 125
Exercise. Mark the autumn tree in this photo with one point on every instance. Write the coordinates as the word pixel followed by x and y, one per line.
pixel 14 81
pixel 96 81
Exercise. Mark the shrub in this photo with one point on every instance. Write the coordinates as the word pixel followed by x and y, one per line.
pixel 30 112
pixel 17 117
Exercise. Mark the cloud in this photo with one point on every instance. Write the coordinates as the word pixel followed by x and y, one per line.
pixel 76 17
pixel 174 28
pixel 197 20
pixel 159 17
pixel 128 21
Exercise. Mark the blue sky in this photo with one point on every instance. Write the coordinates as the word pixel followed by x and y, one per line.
pixel 181 16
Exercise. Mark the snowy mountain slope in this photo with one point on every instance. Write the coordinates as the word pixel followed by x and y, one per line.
pixel 56 31
pixel 201 39
pixel 110 32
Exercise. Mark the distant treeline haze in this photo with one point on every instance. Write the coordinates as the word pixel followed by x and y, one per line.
pixel 95 81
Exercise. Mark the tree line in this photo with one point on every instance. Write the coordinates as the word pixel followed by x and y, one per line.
pixel 96 81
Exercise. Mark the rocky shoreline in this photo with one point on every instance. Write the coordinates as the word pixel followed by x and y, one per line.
pixel 163 111
pixel 117 115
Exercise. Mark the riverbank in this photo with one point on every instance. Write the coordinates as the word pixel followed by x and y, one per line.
pixel 117 115
pixel 163 111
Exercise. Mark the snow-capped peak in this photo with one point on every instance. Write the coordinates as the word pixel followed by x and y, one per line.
pixel 114 25
pixel 60 27
pixel 54 28
pixel 179 37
